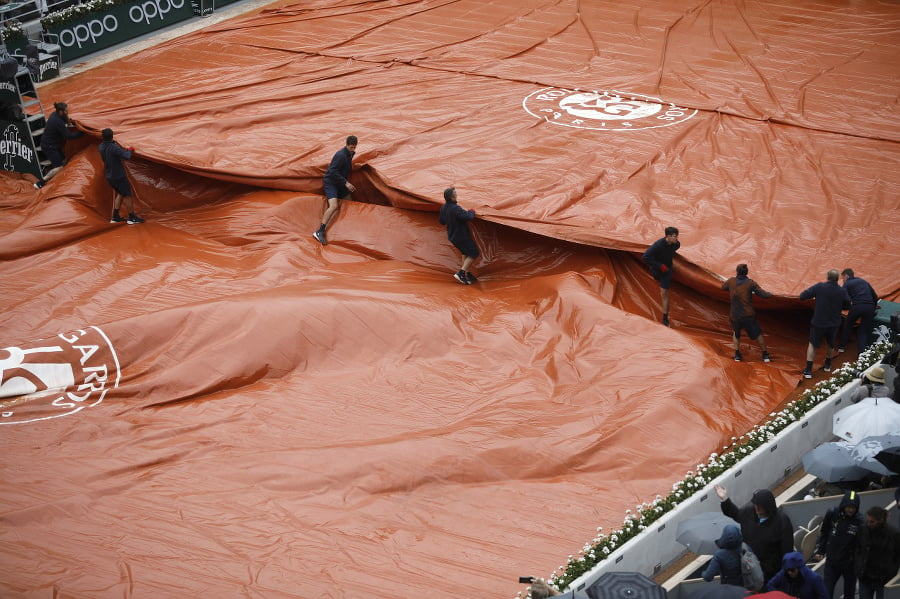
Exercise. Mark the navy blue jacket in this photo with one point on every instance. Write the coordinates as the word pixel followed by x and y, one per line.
pixel 339 168
pixel 113 154
pixel 660 253
pixel 726 561
pixel 840 533
pixel 55 131
pixel 457 220
pixel 831 298
pixel 807 584
pixel 860 292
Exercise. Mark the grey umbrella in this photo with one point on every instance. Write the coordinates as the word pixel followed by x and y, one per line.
pixel 625 585
pixel 838 461
pixel 699 533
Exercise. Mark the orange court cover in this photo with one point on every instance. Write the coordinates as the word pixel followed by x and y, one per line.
pixel 212 404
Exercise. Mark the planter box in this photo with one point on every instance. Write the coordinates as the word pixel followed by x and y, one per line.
pixel 16 45
pixel 118 24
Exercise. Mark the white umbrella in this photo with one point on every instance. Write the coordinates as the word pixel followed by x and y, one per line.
pixel 871 417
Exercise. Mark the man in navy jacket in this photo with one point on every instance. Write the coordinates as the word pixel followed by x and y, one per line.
pixel 56 132
pixel 863 303
pixel 658 259
pixel 830 298
pixel 457 220
pixel 336 185
pixel 113 154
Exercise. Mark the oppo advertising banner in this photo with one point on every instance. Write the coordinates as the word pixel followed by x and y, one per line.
pixel 118 24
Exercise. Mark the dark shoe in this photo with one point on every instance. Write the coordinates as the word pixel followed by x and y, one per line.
pixel 807 373
pixel 766 357
pixel 471 278
pixel 320 237
pixel 827 366
pixel 738 357
pixel 665 320
pixel 134 219
pixel 116 218
pixel 39 183
pixel 461 277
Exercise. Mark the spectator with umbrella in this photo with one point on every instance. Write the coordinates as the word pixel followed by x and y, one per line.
pixel 765 528
pixel 838 540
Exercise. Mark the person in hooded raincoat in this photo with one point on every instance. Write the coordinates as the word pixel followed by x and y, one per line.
pixel 797 580
pixel 726 561
pixel 765 528
pixel 839 537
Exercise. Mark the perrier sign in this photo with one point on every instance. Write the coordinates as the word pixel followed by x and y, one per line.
pixel 17 151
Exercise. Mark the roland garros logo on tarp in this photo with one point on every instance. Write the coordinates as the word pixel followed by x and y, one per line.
pixel 57 376
pixel 606 110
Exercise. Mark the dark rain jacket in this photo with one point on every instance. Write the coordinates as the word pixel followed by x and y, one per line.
pixel 770 540
pixel 113 154
pixel 56 131
pixel 457 220
pixel 878 554
pixel 806 585
pixel 726 561
pixel 830 298
pixel 839 535
pixel 659 253
pixel 860 292
pixel 339 168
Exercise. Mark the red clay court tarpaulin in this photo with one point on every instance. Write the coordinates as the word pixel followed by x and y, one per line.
pixel 213 404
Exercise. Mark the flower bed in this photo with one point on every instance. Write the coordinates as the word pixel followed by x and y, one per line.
pixel 13 35
pixel 597 550
pixel 59 18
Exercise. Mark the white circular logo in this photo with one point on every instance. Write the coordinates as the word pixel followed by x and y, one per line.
pixel 57 376
pixel 606 110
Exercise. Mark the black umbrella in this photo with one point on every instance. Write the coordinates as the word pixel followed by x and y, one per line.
pixel 714 590
pixel 885 449
pixel 625 585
